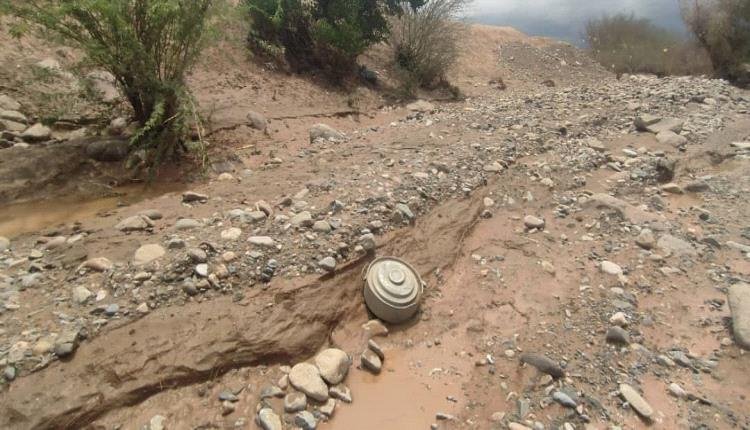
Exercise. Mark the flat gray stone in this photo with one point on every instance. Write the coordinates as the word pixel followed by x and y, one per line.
pixel 134 223
pixel 36 133
pixel 147 254
pixel 322 131
pixel 666 124
pixel 739 304
pixel 187 224
pixel 671 138
pixel 295 402
pixel 530 221
pixel 262 241
pixel 675 246
pixel 302 219
pixel 305 420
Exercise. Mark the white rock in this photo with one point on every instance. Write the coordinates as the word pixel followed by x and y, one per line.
pixel 262 241
pixel 231 234
pixel 147 254
pixel 81 294
pixel 333 365
pixel 611 268
pixel 306 378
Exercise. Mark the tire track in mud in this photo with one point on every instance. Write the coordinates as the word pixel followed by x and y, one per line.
pixel 177 347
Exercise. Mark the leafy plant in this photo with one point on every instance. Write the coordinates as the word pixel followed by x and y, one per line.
pixel 723 28
pixel 147 45
pixel 322 34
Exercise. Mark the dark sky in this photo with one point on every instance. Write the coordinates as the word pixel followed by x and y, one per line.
pixel 565 19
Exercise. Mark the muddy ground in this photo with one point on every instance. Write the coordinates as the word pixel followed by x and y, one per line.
pixel 159 345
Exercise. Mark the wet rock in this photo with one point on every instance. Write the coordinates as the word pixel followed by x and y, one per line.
pixel 268 420
pixel 147 254
pixel 295 402
pixel 328 264
pixel 192 196
pixel 333 365
pixel 635 401
pixel 739 304
pixel 187 224
pixel 36 133
pixel 325 132
pixel 564 399
pixel 532 222
pixel 618 336
pixel 306 378
pixel 543 364
pixel 341 392
pixel 371 362
pixel 305 420
pixel 134 223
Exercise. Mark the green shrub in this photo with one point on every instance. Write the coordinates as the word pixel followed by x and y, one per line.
pixel 626 44
pixel 425 39
pixel 325 35
pixel 147 45
pixel 723 28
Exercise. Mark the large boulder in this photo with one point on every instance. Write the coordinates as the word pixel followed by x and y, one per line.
pixel 306 378
pixel 333 365
pixel 108 150
pixel 36 133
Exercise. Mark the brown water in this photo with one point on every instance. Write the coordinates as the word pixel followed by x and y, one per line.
pixel 18 219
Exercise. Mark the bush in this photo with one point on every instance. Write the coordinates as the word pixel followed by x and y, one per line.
pixel 327 35
pixel 147 45
pixel 626 44
pixel 723 28
pixel 425 39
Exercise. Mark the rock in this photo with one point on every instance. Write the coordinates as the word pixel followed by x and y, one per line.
pixel 564 399
pixel 635 400
pixel 322 227
pixel 302 219
pixel 341 392
pixel 42 347
pixel 672 245
pixel 257 121
pixel 36 133
pixel 322 131
pixel 328 264
pixel 646 239
pixel 306 378
pixel 672 188
pixel 231 234
pixel 152 214
pixel 147 254
pixel 738 246
pixel 262 241
pixel 739 304
pixel 677 391
pixel 532 222
pixel 99 264
pixel 117 126
pixel 112 310
pixel 644 121
pixel 374 328
pixel 12 115
pixel 328 408
pixel 9 103
pixel 55 242
pixel 224 177
pixel 268 420
pixel 187 224
pixel 142 308
pixel 622 208
pixel 192 196
pixel 156 423
pixel 374 347
pixel 134 223
pixel 4 244
pixel 371 362
pixel 611 268
pixel 295 402
pixel 671 138
pixel 201 270
pixel 420 106
pixel 9 373
pixel 333 365
pixel 517 426
pixel 494 167
pixel 618 336
pixel 673 125
pixel 108 150
pixel 197 255
pixel 305 420
pixel 543 364
pixel 66 343
pixel 405 211
pixel 367 242
pixel 619 319
pixel 104 85
pixel 697 186
pixel 81 295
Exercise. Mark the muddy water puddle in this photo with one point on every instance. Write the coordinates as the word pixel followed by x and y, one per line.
pixel 18 219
